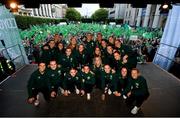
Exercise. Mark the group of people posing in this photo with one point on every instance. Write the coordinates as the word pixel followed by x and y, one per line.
pixel 87 64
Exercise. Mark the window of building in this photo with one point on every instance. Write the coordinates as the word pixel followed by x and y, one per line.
pixel 129 13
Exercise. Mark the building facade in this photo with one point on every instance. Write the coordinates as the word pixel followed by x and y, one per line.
pixel 117 12
pixel 45 10
pixel 145 17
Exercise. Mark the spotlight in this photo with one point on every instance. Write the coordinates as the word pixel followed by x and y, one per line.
pixel 13 5
pixel 164 8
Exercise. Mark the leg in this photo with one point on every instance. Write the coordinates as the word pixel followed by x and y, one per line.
pixel 140 100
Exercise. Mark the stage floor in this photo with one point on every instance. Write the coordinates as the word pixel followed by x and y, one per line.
pixel 164 98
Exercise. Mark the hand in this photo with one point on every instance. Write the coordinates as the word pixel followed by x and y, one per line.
pixel 117 94
pixel 124 61
pixel 128 94
pixel 53 94
pixel 82 92
pixel 31 100
pixel 103 97
pixel 65 93
pixel 113 71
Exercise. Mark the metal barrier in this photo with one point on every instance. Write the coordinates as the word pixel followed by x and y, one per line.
pixel 18 59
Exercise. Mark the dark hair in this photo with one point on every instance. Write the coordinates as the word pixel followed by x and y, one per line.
pixel 117 52
pixel 135 70
pixel 41 61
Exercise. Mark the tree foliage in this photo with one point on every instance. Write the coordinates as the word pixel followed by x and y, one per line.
pixel 100 15
pixel 72 14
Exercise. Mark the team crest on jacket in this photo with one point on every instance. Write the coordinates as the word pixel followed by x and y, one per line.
pixel 59 71
pixel 77 78
pixel 88 77
pixel 137 85
pixel 110 77
pixel 52 75
pixel 39 77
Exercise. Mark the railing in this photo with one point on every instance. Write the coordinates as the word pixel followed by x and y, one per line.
pixel 19 60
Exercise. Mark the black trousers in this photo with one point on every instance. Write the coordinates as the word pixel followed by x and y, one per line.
pixel 137 100
pixel 88 88
pixel 44 91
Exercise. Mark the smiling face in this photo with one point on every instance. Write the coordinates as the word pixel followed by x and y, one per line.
pixel 111 40
pixel 73 72
pixel 97 51
pixel 42 67
pixel 109 49
pixel 89 37
pixel 124 72
pixel 52 44
pixel 117 56
pixel 86 69
pixel 73 41
pixel 68 52
pixel 60 46
pixel 81 48
pixel 53 65
pixel 107 68
pixel 97 61
pixel 135 73
pixel 104 44
pixel 117 43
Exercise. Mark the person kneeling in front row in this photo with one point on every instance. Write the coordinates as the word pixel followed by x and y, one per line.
pixel 138 92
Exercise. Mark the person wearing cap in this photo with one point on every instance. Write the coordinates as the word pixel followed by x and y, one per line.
pixel 38 82
pixel 72 82
pixel 88 81
pixel 107 81
pixel 138 91
pixel 55 77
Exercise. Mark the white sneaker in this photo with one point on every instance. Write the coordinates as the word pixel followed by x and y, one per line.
pixel 124 97
pixel 88 96
pixel 109 92
pixel 69 92
pixel 36 102
pixel 77 91
pixel 135 110
pixel 105 90
pixel 62 90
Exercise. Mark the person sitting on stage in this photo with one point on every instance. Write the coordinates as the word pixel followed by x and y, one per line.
pixel 107 81
pixel 88 81
pixel 97 68
pixel 68 60
pixel 38 82
pixel 118 61
pixel 122 82
pixel 72 82
pixel 108 59
pixel 138 90
pixel 81 56
pixel 55 77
